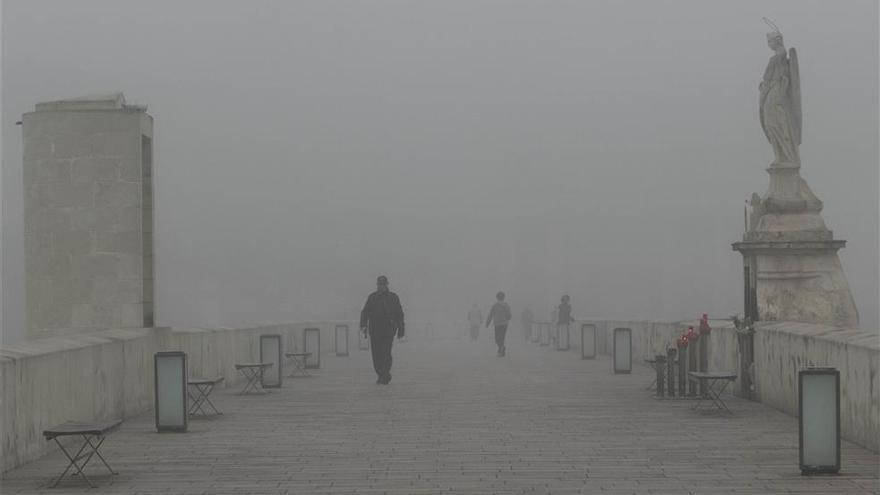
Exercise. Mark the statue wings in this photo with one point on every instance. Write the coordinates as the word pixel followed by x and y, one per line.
pixel 795 94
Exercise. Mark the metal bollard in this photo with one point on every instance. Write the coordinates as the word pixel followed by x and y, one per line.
pixel 682 370
pixel 660 368
pixel 670 371
pixel 692 366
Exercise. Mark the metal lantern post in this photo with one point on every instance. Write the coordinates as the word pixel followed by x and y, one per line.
pixel 588 341
pixel 563 336
pixel 819 420
pixel 312 344
pixel 270 352
pixel 622 350
pixel 341 335
pixel 170 390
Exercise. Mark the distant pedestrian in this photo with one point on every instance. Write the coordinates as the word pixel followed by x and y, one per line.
pixel 382 318
pixel 563 314
pixel 475 318
pixel 527 318
pixel 500 313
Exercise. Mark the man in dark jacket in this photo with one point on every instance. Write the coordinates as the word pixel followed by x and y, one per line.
pixel 382 317
pixel 500 312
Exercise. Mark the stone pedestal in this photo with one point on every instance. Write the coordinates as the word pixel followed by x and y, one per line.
pixel 790 263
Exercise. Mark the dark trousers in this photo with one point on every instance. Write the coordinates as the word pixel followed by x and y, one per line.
pixel 500 333
pixel 381 347
pixel 475 331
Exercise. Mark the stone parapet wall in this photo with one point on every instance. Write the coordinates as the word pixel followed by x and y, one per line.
pixel 781 349
pixel 109 374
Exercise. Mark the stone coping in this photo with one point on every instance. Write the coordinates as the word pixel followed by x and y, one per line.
pixel 849 336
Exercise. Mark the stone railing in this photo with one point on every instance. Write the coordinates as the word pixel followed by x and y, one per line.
pixel 109 374
pixel 780 350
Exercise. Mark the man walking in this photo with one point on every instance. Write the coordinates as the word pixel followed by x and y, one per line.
pixel 382 318
pixel 564 318
pixel 501 314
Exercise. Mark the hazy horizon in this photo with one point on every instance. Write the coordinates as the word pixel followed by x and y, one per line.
pixel 598 149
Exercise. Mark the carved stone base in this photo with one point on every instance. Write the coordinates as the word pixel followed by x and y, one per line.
pixel 799 280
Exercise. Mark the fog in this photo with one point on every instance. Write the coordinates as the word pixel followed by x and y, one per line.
pixel 598 149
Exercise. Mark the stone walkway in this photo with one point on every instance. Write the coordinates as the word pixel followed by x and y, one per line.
pixel 457 419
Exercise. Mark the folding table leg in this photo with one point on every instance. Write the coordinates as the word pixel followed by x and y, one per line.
pixel 91 452
pixel 97 453
pixel 72 463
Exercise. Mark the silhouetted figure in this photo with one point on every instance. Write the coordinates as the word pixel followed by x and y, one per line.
pixel 475 317
pixel 563 313
pixel 527 319
pixel 500 313
pixel 382 317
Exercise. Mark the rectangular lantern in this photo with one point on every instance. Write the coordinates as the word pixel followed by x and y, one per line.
pixel 363 341
pixel 341 340
pixel 312 344
pixel 271 352
pixel 562 338
pixel 545 334
pixel 622 350
pixel 169 369
pixel 819 420
pixel 588 341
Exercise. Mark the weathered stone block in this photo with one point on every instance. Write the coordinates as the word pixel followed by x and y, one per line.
pixel 95 265
pixel 37 147
pixel 130 169
pixel 36 196
pixel 93 315
pixel 55 220
pixel 72 242
pixel 132 315
pixel 130 218
pixel 116 291
pixel 130 266
pixel 47 170
pixel 119 242
pixel 54 316
pixel 71 195
pixel 70 145
pixel 116 144
pixel 94 169
pixel 67 291
pixel 117 195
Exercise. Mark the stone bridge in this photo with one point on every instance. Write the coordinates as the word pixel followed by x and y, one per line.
pixel 455 419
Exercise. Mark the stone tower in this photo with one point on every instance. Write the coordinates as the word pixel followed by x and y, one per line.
pixel 88 215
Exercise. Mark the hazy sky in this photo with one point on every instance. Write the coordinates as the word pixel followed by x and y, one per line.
pixel 602 149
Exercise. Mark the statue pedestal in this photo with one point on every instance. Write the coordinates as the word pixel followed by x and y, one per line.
pixel 790 263
pixel 796 280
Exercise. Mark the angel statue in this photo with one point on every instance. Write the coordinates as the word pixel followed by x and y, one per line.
pixel 780 105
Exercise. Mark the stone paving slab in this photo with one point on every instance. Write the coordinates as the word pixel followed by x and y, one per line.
pixel 457 419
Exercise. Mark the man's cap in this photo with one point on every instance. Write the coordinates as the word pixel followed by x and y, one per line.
pixel 382 280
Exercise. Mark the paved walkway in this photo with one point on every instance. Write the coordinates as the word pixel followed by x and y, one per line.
pixel 457 419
